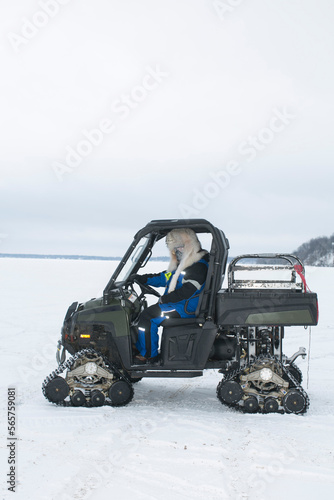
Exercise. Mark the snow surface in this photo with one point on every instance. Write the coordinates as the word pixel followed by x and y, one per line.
pixel 175 440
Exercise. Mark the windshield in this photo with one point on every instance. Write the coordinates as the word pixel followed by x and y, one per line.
pixel 135 255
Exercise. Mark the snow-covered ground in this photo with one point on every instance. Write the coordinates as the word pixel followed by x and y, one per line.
pixel 174 441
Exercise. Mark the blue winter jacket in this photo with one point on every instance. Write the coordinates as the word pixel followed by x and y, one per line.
pixel 189 285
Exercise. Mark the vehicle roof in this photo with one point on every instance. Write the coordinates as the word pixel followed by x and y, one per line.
pixel 163 226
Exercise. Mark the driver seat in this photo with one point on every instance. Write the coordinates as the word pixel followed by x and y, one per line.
pixel 207 299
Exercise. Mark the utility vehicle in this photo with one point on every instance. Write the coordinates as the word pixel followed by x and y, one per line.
pixel 238 330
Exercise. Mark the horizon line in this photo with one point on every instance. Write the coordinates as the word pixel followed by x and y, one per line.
pixel 65 256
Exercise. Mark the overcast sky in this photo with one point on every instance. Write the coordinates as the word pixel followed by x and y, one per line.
pixel 117 112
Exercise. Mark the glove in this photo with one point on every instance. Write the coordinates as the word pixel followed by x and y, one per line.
pixel 139 278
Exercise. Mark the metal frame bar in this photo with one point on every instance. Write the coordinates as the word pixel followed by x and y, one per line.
pixel 291 284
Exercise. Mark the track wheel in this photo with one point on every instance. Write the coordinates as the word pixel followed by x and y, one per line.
pixel 294 402
pixel 270 405
pixel 78 398
pixel 229 392
pixel 57 390
pixel 97 398
pixel 251 404
pixel 120 393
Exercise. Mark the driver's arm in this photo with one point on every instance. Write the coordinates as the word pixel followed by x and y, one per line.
pixel 158 280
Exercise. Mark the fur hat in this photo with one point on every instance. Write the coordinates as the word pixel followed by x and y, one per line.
pixel 192 252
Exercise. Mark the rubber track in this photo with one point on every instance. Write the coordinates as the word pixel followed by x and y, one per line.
pixel 67 365
pixel 234 374
pixel 296 367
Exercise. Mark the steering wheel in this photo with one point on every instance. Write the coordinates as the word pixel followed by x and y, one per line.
pixel 146 288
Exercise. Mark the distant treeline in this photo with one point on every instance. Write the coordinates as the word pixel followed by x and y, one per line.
pixel 317 252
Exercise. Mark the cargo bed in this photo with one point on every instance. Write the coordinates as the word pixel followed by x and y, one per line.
pixel 279 298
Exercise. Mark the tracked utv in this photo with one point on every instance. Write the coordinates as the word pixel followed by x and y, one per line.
pixel 237 330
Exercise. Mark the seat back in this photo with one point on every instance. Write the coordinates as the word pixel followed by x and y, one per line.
pixel 213 283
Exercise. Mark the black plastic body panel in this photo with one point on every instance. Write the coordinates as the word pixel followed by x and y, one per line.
pixel 275 307
pixel 187 347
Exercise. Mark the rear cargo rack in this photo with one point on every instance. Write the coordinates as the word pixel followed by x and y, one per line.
pixel 266 271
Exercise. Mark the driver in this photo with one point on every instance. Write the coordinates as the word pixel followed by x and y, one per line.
pixel 183 281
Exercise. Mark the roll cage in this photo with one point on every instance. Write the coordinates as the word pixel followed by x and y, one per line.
pixel 154 231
